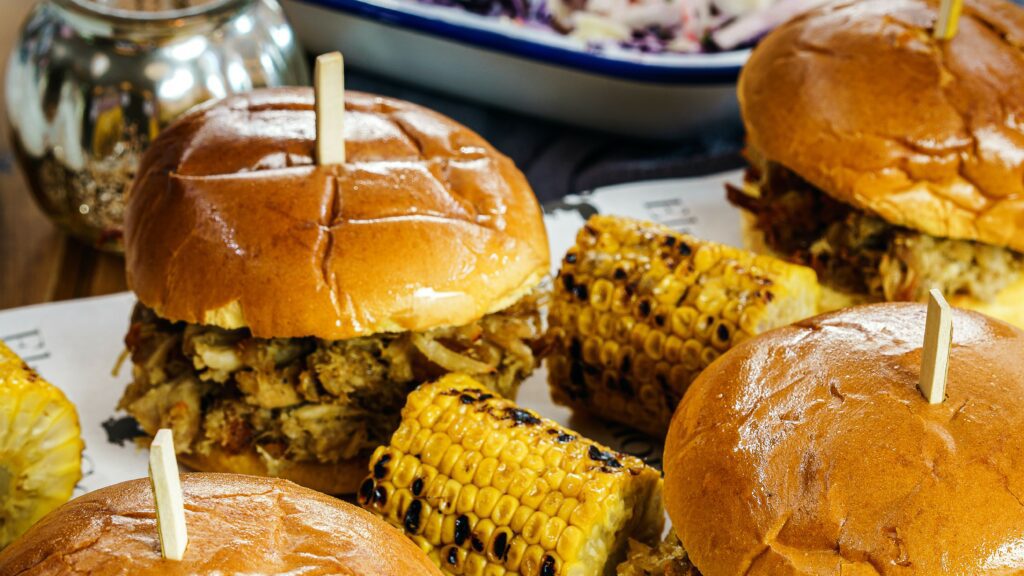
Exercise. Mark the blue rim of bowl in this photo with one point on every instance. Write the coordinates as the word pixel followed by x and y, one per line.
pixel 578 59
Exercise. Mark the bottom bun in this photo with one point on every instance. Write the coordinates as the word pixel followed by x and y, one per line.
pixel 1008 305
pixel 236 525
pixel 339 478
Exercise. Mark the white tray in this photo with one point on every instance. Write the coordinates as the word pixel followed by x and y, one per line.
pixel 497 62
pixel 75 344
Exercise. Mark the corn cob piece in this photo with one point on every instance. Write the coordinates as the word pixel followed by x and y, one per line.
pixel 40 447
pixel 639 310
pixel 488 488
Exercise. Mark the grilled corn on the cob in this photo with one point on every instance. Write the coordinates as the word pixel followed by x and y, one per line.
pixel 40 447
pixel 639 310
pixel 488 488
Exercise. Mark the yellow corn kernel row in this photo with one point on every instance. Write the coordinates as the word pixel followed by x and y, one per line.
pixel 639 310
pixel 488 488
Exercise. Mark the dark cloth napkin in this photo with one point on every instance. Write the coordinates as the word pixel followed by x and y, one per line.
pixel 560 159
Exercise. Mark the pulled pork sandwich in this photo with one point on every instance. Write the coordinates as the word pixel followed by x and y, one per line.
pixel 286 309
pixel 891 162
pixel 809 450
pixel 236 524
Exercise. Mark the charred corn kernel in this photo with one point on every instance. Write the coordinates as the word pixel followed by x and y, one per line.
pixel 609 353
pixel 569 543
pixel 494 445
pixel 448 522
pixel 503 511
pixel 549 503
pixel 514 452
pixel 40 447
pixel 586 321
pixel 485 472
pixel 532 559
pixel 406 471
pixel 534 526
pixel 605 325
pixel 420 439
pixel 467 496
pixel 533 462
pixel 453 559
pixel 654 345
pixel 466 467
pixel 707 356
pixel 402 438
pixel 443 423
pixel 683 320
pixel 486 500
pixel 601 295
pixel 566 508
pixel 435 449
pixel 702 329
pixel 498 546
pixel 519 519
pixel 433 530
pixel 503 476
pixel 535 494
pixel 482 533
pixel 666 305
pixel 554 476
pixel 516 551
pixel 450 496
pixel 572 484
pixel 592 350
pixel 474 441
pixel 451 456
pixel 475 565
pixel 429 416
pixel 551 531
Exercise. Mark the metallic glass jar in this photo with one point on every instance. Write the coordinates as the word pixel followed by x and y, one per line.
pixel 91 82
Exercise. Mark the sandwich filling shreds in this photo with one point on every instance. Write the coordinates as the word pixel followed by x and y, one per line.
pixel 856 252
pixel 666 559
pixel 305 399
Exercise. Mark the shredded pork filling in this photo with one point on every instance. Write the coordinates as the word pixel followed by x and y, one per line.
pixel 859 253
pixel 668 558
pixel 305 399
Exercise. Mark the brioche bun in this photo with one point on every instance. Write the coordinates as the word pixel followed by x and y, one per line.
pixel 230 223
pixel 809 450
pixel 236 525
pixel 859 100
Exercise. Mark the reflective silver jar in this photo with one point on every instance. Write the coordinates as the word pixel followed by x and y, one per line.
pixel 91 82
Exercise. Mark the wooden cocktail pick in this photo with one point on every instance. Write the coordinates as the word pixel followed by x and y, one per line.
pixel 329 91
pixel 938 338
pixel 170 504
pixel 949 19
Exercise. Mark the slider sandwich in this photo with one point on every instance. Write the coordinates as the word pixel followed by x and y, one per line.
pixel 889 161
pixel 286 309
pixel 237 525
pixel 810 450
